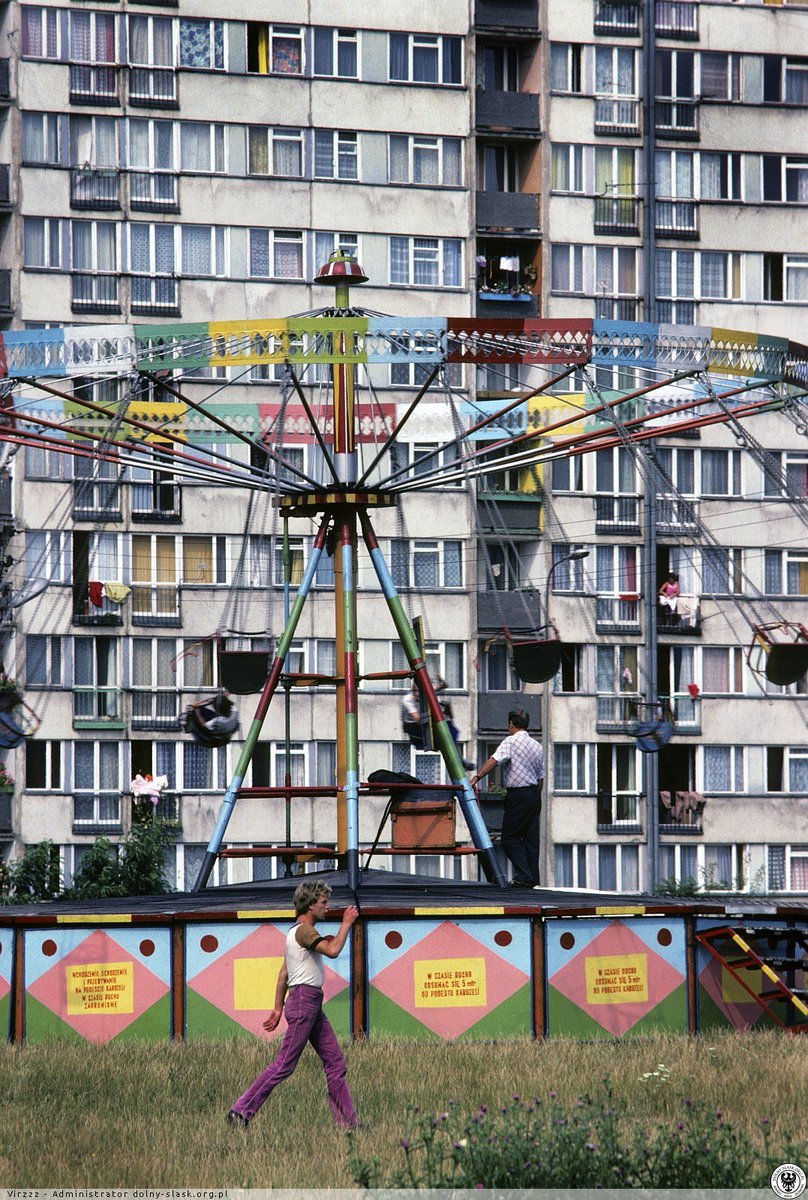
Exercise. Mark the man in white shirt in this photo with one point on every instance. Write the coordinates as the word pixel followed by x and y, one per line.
pixel 522 761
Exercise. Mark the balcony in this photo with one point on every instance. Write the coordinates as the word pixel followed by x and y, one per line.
pixel 6 503
pixel 156 604
pixel 87 613
pixel 91 84
pixel 6 204
pixel 508 515
pixel 617 514
pixel 677 19
pixel 91 293
pixel 153 87
pixel 493 709
pixel 677 218
pixel 617 19
pixel 508 110
pixel 153 191
pixel 97 812
pixel 616 714
pixel 96 500
pixel 5 82
pixel 6 308
pixel 685 709
pixel 677 119
pixel 95 708
pixel 508 210
pixel 618 812
pixel 517 610
pixel 680 812
pixel 675 515
pixel 607 309
pixel 155 710
pixel 94 188
pixel 617 116
pixel 167 811
pixel 686 621
pixel 617 614
pixel 6 826
pixel 520 16
pixel 155 295
pixel 617 215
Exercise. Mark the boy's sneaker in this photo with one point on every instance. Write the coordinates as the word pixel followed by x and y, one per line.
pixel 234 1118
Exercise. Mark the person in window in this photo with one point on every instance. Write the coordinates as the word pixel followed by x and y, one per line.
pixel 300 987
pixel 522 760
pixel 669 599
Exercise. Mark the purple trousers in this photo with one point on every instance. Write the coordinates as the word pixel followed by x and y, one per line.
pixel 305 1023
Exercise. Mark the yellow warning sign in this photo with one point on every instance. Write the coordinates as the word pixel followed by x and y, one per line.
pixel 617 979
pixel 100 989
pixel 254 981
pixel 449 982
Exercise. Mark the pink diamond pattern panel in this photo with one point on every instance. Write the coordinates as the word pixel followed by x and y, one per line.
pixel 616 979
pixel 241 982
pixel 727 995
pixel 448 980
pixel 98 988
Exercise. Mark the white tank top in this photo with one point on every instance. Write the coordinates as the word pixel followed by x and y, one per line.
pixel 302 966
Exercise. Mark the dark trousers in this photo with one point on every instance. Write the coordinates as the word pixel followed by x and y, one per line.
pixel 520 830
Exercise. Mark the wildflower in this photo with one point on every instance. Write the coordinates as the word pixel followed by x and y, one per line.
pixel 405 1145
pixel 553 1095
pixel 680 1125
pixel 591 1147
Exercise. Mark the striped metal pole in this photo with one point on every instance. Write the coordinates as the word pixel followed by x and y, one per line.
pixel 443 738
pixel 230 796
pixel 348 788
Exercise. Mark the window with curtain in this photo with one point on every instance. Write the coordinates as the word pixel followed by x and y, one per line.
pixel 797 757
pixel 425 58
pixel 196 664
pixel 721 472
pixel 565 66
pixel 722 670
pixel 720 76
pixel 258 150
pixel 336 52
pixel 286 49
pixel 197 767
pixel 723 768
pixel 287 152
pixel 92 37
pixel 202 249
pixel 288 254
pixel 567 268
pixel 567 167
pixel 198 560
pixel 202 147
pixel 796 572
pixel 41 243
pixel 201 44
pixel 720 176
pixel 335 154
pixel 40 32
pixel 151 41
pixel 614 71
pixel 40 138
pixel 796 80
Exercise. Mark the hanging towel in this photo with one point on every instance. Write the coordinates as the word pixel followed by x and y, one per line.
pixel 116 592
pixel 95 591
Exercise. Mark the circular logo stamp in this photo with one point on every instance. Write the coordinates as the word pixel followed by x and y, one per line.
pixel 788 1180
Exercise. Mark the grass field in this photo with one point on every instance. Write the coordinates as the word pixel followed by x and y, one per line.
pixel 134 1116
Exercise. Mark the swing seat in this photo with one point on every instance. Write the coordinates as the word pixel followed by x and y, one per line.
pixel 12 732
pixel 9 698
pixel 782 662
pixel 195 724
pixel 243 672
pixel 786 664
pixel 651 736
pixel 536 660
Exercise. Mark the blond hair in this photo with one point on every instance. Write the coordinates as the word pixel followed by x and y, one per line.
pixel 307 894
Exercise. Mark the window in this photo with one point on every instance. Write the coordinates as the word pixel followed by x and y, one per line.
pixel 721 472
pixel 444 660
pixel 675 286
pixel 286 49
pixel 426 564
pixel 96 679
pixel 785 277
pixel 41 243
pixel 722 670
pixel 569 868
pixel 335 154
pixel 204 559
pixel 500 68
pixel 43 766
pixel 787 769
pixel 202 147
pixel 786 572
pixel 95 246
pixel 785 474
pixel 567 167
pixel 151 41
pixel 40 138
pixel 276 253
pixel 155 667
pixel 615 271
pixel 425 262
pixel 421 58
pixel 202 44
pixel 617 785
pixel 567 269
pixel 720 275
pixel 723 768
pixel 46 556
pixel 43 660
pixel 785 177
pixel 496 669
pixel 720 76
pixel 618 868
pixel 617 670
pixel 615 71
pixel 326 243
pixel 202 250
pixel 92 37
pixel 568 474
pixel 40 32
pixel 568 573
pixel 675 75
pixel 614 472
pixel 94 141
pixel 152 262
pixel 96 784
pixel 336 52
pixel 427 160
pixel 788 868
pixel 154 578
pixel 616 568
pixel 674 174
pixel 720 176
pixel 785 80
pixel 565 66
pixel 203 770
pixel 721 571
pixel 195 665
pixel 570 767
pixel 676 467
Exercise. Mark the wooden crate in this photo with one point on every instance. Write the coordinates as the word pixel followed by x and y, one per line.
pixel 423 823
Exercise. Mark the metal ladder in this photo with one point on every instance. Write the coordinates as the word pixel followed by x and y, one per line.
pixel 736 955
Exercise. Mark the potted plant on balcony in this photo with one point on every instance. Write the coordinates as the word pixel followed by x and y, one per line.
pixel 6 780
pixel 10 695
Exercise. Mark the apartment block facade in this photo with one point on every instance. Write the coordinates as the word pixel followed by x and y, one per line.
pixel 628 162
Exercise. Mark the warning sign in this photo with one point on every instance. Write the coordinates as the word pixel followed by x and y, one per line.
pixel 254 981
pixel 449 982
pixel 617 979
pixel 100 989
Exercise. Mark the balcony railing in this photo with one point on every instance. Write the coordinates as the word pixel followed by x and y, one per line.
pixel 96 500
pixel 617 514
pixel 153 87
pixel 617 215
pixel 680 812
pixel 617 614
pixel 507 210
pixel 508 110
pixel 677 19
pixel 677 218
pixel 6 496
pixel 94 188
pixel 685 709
pixel 94 293
pixel 522 15
pixel 5 80
pixel 5 292
pixel 686 620
pixel 96 811
pixel 153 191
pixel 5 187
pixel 618 811
pixel 608 309
pixel 91 84
pixel 167 810
pixel 155 294
pixel 616 714
pixel 94 705
pixel 675 515
pixel 87 613
pixel 155 710
pixel 617 115
pixel 677 118
pixel 158 604
pixel 617 19
pixel 6 826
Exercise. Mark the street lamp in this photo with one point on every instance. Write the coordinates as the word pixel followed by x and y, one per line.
pixel 573 555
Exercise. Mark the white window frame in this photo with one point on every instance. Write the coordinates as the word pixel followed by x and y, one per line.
pixel 47 133
pixel 274 237
pixel 428 248
pixel 50 33
pixel 738 771
pixel 568 160
pixel 343 147
pixel 281 31
pixel 49 785
pixel 54 660
pixel 425 41
pixel 151 22
pixel 217 150
pixel 51 240
pixel 217 252
pixel 733 275
pixel 579 765
pixel 572 52
pixel 56 551
pixel 629 850
pixel 339 36
pixel 211 64
pixel 97 789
